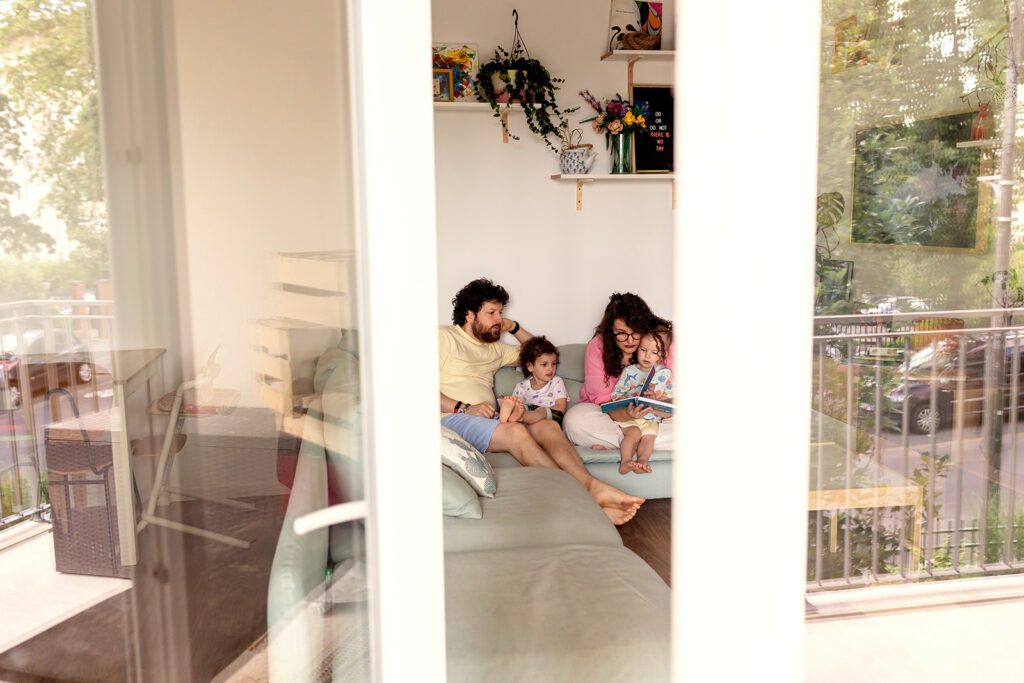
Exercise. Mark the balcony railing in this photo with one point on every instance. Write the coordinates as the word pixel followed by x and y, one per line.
pixel 35 328
pixel 916 447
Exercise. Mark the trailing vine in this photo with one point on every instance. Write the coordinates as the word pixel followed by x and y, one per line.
pixel 533 87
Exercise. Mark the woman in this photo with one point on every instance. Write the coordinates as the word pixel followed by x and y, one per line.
pixel 626 319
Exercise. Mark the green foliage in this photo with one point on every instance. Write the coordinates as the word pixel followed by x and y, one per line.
pixel 534 87
pixel 49 123
pixel 898 162
pixel 1013 295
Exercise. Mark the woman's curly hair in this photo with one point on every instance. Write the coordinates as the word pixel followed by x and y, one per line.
pixel 472 297
pixel 534 348
pixel 637 315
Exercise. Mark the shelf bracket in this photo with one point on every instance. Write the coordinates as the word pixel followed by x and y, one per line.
pixel 504 126
pixel 579 192
pixel 629 75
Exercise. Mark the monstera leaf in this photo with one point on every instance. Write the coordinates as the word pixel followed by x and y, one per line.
pixel 831 206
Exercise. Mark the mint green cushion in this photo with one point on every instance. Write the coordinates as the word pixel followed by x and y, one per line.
pixel 460 499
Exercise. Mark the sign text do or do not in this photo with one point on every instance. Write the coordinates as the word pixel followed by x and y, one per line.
pixel 652 152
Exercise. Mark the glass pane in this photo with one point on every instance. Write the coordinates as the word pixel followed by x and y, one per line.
pixel 916 472
pixel 179 357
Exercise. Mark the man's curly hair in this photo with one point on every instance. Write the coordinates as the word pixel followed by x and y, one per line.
pixel 472 297
pixel 637 315
pixel 534 348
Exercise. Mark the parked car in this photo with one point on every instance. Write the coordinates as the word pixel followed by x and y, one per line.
pixel 958 378
pixel 71 362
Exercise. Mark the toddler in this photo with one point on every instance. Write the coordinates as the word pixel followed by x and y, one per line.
pixel 638 435
pixel 542 392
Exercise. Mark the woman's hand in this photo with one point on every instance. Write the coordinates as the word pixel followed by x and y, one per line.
pixel 631 412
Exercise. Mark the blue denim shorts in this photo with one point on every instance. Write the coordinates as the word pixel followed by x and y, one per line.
pixel 476 430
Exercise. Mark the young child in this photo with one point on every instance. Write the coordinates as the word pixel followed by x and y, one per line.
pixel 638 435
pixel 542 392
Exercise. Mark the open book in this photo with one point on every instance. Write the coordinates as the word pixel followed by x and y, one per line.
pixel 639 399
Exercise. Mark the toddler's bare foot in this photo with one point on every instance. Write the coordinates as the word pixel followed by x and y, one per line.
pixel 508 404
pixel 642 467
pixel 518 411
pixel 627 466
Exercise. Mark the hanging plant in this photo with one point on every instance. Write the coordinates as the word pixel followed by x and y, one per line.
pixel 515 77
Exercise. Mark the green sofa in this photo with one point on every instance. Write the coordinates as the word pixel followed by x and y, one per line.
pixel 603 464
pixel 539 589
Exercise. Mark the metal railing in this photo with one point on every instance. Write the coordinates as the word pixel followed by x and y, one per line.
pixel 915 447
pixel 30 327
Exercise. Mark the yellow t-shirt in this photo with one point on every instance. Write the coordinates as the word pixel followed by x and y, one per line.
pixel 468 365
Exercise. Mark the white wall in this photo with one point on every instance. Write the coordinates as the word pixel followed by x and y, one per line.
pixel 264 163
pixel 500 216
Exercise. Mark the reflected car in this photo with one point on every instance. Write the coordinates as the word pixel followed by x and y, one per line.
pixel 958 378
pixel 72 363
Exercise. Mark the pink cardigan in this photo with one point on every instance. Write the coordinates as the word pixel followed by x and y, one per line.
pixel 596 387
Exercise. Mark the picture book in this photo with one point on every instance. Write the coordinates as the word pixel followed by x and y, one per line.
pixel 639 399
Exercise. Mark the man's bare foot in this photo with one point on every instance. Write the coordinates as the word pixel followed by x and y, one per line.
pixel 627 466
pixel 618 505
pixel 643 467
pixel 618 516
pixel 507 406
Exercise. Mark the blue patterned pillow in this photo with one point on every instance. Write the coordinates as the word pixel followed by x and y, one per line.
pixel 467 461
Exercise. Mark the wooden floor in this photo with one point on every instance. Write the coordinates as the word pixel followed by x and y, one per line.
pixel 216 594
pixel 649 535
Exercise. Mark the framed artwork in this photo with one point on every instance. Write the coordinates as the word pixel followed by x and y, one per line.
pixel 635 25
pixel 913 186
pixel 653 152
pixel 835 283
pixel 443 80
pixel 464 61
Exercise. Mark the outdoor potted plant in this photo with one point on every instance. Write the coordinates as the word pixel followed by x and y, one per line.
pixel 515 77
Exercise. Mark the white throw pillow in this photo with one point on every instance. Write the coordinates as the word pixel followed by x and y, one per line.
pixel 467 461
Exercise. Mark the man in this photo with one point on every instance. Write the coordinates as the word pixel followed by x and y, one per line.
pixel 470 352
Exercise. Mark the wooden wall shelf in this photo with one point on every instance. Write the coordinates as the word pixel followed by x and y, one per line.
pixel 582 180
pixel 482 107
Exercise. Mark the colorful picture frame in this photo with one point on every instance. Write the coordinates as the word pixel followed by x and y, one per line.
pixel 444 90
pixel 915 185
pixel 635 25
pixel 464 61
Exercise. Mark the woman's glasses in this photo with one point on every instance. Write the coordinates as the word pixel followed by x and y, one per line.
pixel 623 336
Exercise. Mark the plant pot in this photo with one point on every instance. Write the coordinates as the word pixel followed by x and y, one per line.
pixel 622 158
pixel 502 94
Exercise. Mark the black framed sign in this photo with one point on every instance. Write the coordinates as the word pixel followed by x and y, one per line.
pixel 652 153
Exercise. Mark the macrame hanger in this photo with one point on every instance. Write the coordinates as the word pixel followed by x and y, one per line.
pixel 518 45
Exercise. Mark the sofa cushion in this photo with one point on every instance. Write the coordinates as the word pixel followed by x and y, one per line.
pixel 467 462
pixel 459 499
pixel 573 613
pixel 570 369
pixel 535 506
pixel 593 455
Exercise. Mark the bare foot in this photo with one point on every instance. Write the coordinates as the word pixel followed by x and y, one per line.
pixel 507 406
pixel 618 505
pixel 627 466
pixel 642 467
pixel 518 410
pixel 618 516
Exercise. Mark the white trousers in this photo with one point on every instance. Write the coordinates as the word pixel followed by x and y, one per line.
pixel 586 425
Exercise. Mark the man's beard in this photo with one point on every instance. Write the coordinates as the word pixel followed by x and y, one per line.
pixel 488 335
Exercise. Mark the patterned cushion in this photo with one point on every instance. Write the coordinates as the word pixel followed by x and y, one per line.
pixel 467 461
pixel 459 499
